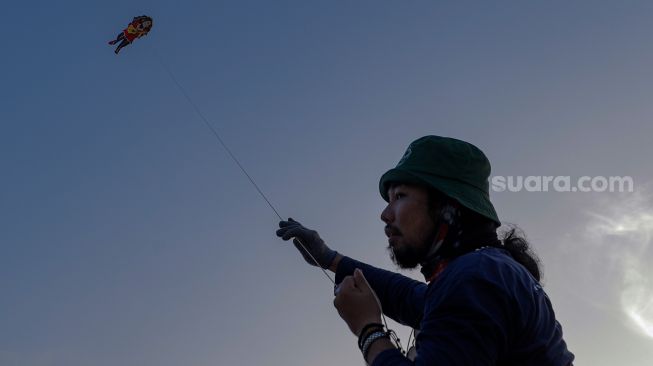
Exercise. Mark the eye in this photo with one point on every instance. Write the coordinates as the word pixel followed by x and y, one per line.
pixel 399 195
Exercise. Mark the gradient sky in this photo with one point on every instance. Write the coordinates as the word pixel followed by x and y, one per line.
pixel 129 237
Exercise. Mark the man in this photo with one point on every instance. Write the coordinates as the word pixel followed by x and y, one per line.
pixel 483 304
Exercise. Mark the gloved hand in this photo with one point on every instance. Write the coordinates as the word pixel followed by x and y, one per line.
pixel 311 241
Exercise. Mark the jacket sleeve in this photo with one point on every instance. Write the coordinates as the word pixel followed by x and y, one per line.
pixel 469 328
pixel 402 298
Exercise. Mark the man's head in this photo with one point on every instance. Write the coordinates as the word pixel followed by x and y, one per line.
pixel 456 168
pixel 433 172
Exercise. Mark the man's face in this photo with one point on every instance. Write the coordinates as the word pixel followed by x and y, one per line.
pixel 410 225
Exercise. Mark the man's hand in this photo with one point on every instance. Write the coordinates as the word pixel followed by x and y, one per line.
pixel 307 240
pixel 357 303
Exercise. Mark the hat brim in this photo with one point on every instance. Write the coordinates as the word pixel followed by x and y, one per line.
pixel 467 195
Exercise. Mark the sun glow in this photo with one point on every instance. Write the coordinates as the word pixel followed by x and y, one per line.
pixel 643 323
pixel 625 231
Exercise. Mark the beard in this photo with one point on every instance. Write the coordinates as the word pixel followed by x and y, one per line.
pixel 407 257
pixel 411 252
pixel 410 256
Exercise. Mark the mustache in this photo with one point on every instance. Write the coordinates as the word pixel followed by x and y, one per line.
pixel 392 230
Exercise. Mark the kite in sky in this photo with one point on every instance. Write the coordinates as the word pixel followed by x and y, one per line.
pixel 139 27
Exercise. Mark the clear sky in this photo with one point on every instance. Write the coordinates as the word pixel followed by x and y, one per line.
pixel 128 236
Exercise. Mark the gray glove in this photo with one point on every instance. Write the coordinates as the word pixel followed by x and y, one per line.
pixel 311 241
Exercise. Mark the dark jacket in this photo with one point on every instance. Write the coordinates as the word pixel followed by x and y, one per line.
pixel 483 309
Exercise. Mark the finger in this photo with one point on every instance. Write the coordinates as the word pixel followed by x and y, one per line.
pixel 346 285
pixel 361 281
pixel 293 221
pixel 336 290
pixel 287 223
pixel 281 232
pixel 291 233
pixel 285 233
pixel 290 221
pixel 364 286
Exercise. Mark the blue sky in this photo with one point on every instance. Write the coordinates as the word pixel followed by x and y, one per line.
pixel 130 237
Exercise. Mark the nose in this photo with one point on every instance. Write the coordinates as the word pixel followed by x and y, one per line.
pixel 386 215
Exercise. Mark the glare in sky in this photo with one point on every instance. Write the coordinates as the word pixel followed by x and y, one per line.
pixel 623 232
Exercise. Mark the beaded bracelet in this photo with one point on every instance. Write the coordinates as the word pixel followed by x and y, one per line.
pixel 371 339
pixel 366 329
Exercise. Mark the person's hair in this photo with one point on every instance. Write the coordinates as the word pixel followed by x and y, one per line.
pixel 478 231
pixel 514 241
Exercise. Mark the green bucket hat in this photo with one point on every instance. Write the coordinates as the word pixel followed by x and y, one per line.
pixel 456 168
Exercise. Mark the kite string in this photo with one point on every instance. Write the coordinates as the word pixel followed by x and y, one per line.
pixel 231 154
pixel 393 336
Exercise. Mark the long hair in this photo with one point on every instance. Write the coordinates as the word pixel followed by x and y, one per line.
pixel 514 241
pixel 479 231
